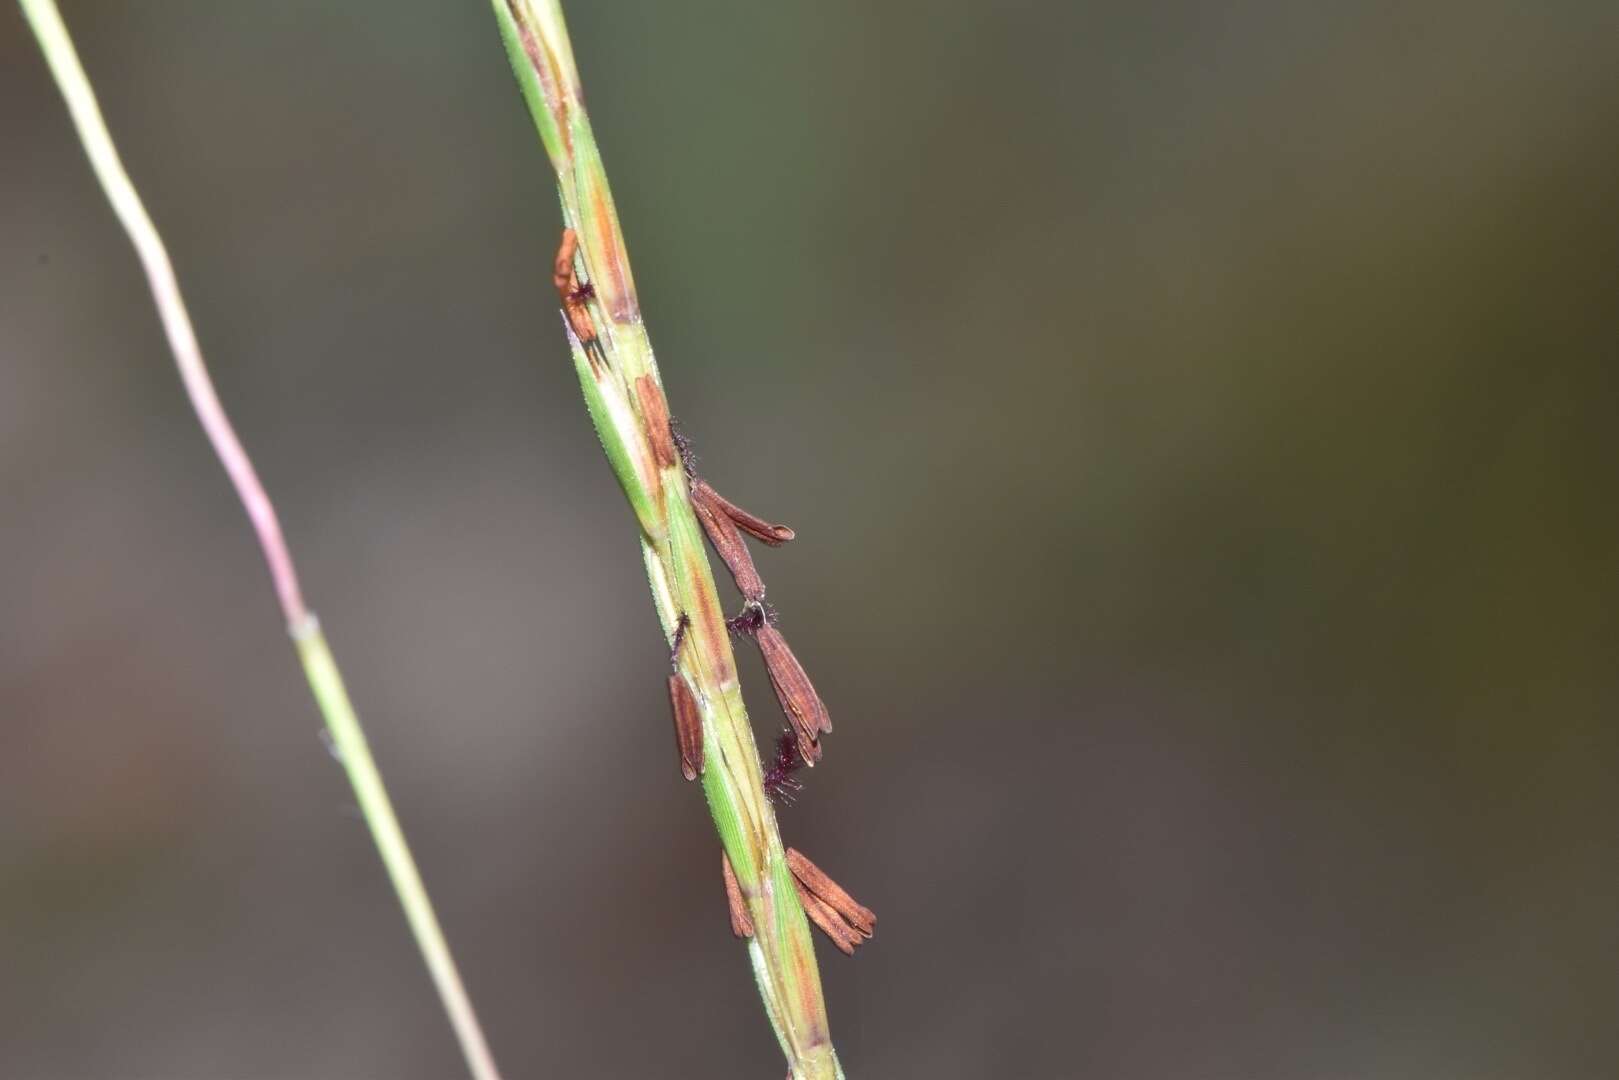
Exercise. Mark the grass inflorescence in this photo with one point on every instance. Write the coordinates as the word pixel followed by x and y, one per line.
pixel 773 892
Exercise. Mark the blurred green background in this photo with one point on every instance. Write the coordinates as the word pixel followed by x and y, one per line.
pixel 1200 425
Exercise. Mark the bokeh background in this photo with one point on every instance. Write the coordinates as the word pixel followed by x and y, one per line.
pixel 1199 421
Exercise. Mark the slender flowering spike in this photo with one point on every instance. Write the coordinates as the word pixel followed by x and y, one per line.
pixel 803 706
pixel 755 526
pixel 741 923
pixel 813 878
pixel 688 726
pixel 611 350
pixel 729 545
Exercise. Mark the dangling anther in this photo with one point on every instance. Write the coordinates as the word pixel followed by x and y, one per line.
pixel 838 915
pixel 728 543
pixel 803 706
pixel 757 527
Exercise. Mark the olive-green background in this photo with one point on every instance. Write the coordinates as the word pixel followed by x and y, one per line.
pixel 1199 421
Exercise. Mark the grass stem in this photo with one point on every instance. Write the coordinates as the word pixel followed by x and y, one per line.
pixel 321 669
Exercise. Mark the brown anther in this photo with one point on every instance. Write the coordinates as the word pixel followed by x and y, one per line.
pixel 803 706
pixel 814 879
pixel 572 294
pixel 741 923
pixel 728 543
pixel 755 526
pixel 655 411
pixel 836 930
pixel 840 917
pixel 688 726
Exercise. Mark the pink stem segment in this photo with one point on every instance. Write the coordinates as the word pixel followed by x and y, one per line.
pixel 86 113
